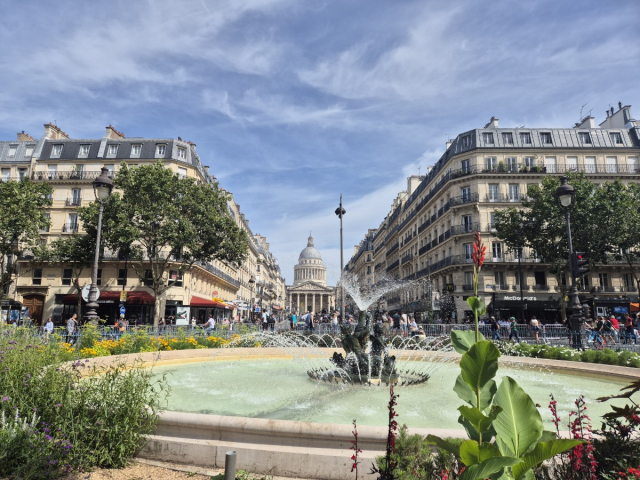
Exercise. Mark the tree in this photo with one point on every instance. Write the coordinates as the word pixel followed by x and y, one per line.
pixel 161 221
pixel 22 216
pixel 542 226
pixel 77 251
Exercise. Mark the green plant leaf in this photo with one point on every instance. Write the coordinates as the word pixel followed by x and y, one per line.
pixel 477 418
pixel 462 340
pixel 471 453
pixel 465 393
pixel 547 436
pixel 488 467
pixel 477 305
pixel 542 451
pixel 518 425
pixel 479 365
pixel 443 444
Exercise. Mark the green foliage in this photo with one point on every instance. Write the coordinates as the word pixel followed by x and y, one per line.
pixel 22 216
pixel 103 415
pixel 505 413
pixel 166 217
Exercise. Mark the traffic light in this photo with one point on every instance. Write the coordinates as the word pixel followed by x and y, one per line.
pixel 579 264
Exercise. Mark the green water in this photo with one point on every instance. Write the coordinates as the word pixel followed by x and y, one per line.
pixel 280 389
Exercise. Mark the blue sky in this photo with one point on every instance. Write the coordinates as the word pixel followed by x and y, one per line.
pixel 293 102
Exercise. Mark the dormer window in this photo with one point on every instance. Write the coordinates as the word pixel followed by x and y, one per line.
pixel 487 138
pixel 182 153
pixel 112 151
pixel 545 138
pixel 136 150
pixel 84 151
pixel 507 138
pixel 466 141
pixel 525 138
pixel 616 138
pixel 12 150
pixel 56 150
pixel 28 151
pixel 585 138
pixel 161 149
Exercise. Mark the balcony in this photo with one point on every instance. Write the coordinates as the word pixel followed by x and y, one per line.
pixel 464 199
pixel 74 202
pixel 70 227
pixel 393 248
pixel 606 289
pixel 501 287
pixel 516 288
pixel 541 288
pixel 65 176
pixel 503 198
pixel 628 288
pixel 393 265
pixel 468 287
pixel 462 229
pixel 422 227
pixel 407 258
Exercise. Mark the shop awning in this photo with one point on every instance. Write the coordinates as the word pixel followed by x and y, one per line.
pixel 133 298
pixel 204 302
pixel 276 307
pixel 635 307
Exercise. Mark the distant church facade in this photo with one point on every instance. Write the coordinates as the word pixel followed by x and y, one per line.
pixel 309 291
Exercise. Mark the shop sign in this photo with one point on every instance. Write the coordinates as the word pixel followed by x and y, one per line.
pixel 518 298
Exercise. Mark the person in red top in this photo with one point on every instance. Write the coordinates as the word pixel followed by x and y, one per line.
pixel 616 328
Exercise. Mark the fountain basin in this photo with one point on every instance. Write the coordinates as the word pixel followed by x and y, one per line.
pixel 303 449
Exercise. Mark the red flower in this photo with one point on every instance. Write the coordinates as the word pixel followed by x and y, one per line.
pixel 478 251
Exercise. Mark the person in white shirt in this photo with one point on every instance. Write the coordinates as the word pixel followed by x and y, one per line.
pixel 211 324
pixel 48 327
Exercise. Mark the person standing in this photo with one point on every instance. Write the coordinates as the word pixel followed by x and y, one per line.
pixel 513 329
pixel 535 328
pixel 629 331
pixel 48 328
pixel 385 323
pixel 495 329
pixel 210 324
pixel 396 323
pixel 72 325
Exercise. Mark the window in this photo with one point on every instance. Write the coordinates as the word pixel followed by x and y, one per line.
pixel 466 194
pixel 182 172
pixel 627 279
pixel 122 276
pixel 611 164
pixel 56 150
pixel 467 223
pixel 499 279
pixel 84 151
pixel 497 249
pixel 47 216
pixel 584 138
pixel 12 150
pixel 545 138
pixel 182 153
pixel 28 151
pixel 507 138
pixel 466 141
pixel 491 164
pixel 487 138
pixel 572 164
pixel 37 276
pixel 368 268
pixel 112 151
pixel 590 164
pixel 465 166
pixel 604 279
pixel 6 174
pixel 175 278
pixel 514 192
pixel 110 169
pixel 51 171
pixel 541 278
pixel 148 278
pixel 512 164
pixel 632 164
pixel 72 223
pixel 616 138
pixel 160 150
pixel 529 162
pixel 525 138
pixel 76 197
pixel 494 192
pixel 550 164
pixel 99 277
pixel 492 220
pixel 66 276
pixel 22 172
pixel 468 280
pixel 468 251
pixel 136 150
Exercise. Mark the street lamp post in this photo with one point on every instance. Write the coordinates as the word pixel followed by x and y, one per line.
pixel 340 213
pixel 565 194
pixel 251 282
pixel 102 187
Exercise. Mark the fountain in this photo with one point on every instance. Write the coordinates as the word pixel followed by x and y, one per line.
pixel 368 360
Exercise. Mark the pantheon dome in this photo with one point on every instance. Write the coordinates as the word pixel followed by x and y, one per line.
pixel 310 266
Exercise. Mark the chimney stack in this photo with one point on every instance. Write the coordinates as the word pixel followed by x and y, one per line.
pixel 25 137
pixel 53 132
pixel 113 134
pixel 493 123
pixel 449 142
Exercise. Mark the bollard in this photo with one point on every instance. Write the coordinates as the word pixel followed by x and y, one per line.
pixel 230 465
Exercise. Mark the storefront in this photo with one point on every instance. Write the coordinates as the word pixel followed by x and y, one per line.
pixel 545 308
pixel 607 306
pixel 138 306
pixel 202 308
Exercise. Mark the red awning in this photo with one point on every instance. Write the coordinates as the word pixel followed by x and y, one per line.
pixel 275 307
pixel 133 298
pixel 204 302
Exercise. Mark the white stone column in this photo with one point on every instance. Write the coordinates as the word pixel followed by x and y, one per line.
pixel 313 302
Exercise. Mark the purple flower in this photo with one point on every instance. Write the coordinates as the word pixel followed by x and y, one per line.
pixel 58 405
pixel 5 399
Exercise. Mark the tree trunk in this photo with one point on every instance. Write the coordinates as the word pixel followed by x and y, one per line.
pixel 79 300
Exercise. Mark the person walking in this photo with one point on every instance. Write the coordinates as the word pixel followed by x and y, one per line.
pixel 48 328
pixel 513 329
pixel 629 330
pixel 495 329
pixel 72 325
pixel 334 323
pixel 396 323
pixel 209 325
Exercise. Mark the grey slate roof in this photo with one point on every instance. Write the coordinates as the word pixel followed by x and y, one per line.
pixel 19 156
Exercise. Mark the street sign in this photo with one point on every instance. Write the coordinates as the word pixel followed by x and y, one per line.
pixel 258 309
pixel 85 293
pixel 123 295
pixel 122 310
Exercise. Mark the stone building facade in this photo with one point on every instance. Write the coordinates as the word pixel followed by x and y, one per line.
pixel 70 166
pixel 428 232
